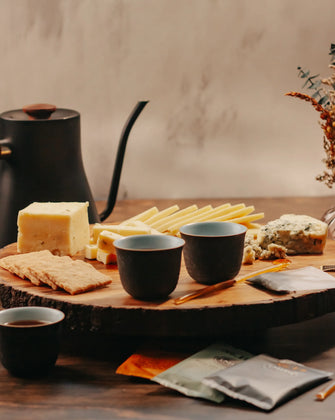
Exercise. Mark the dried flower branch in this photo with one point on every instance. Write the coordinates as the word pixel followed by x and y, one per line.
pixel 324 91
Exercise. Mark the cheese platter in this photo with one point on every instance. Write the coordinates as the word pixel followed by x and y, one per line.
pixel 111 311
pixel 57 249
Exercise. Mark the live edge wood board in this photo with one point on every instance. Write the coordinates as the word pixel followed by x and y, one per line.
pixel 111 311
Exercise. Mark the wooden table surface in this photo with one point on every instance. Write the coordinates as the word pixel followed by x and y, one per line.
pixel 84 385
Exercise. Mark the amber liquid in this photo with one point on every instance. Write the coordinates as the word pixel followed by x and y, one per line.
pixel 26 323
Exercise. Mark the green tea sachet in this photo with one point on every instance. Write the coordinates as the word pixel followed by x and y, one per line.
pixel 186 376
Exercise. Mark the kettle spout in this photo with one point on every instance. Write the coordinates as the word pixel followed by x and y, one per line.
pixel 119 160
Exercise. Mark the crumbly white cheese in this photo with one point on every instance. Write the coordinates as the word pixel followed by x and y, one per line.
pixel 62 228
pixel 253 251
pixel 289 235
pixel 299 234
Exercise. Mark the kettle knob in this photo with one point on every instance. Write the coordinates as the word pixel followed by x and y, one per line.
pixel 39 111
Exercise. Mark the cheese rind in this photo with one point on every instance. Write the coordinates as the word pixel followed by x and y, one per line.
pixel 62 228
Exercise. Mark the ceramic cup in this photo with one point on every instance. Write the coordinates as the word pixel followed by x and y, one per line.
pixel 213 251
pixel 149 265
pixel 29 339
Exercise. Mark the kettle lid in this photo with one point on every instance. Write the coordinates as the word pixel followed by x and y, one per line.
pixel 39 112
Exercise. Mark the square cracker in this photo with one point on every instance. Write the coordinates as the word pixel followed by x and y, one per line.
pixel 76 276
pixel 37 270
pixel 19 264
pixel 42 267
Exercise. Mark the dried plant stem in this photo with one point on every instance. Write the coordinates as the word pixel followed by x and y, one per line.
pixel 328 127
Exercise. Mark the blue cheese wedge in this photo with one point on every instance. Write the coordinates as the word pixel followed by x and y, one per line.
pixel 289 235
pixel 253 251
pixel 299 234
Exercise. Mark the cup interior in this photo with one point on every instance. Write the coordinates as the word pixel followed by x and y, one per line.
pixel 31 313
pixel 213 229
pixel 148 243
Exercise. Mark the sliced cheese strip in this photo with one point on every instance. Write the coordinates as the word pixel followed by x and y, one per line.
pixel 160 215
pixel 247 219
pixel 124 230
pixel 169 219
pixel 138 223
pixel 194 218
pixel 238 213
pixel 145 214
pixel 219 212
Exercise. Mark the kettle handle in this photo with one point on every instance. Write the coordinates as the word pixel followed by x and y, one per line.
pixel 119 160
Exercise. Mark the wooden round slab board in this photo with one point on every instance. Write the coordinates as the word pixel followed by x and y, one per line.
pixel 112 311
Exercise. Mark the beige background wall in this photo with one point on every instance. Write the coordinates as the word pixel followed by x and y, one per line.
pixel 215 72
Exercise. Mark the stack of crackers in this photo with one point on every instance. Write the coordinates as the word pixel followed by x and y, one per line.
pixel 44 268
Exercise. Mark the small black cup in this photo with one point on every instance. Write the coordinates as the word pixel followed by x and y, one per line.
pixel 149 265
pixel 30 340
pixel 213 251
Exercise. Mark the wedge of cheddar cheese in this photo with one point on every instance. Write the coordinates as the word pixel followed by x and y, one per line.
pixel 62 228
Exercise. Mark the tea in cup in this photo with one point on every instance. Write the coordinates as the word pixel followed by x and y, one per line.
pixel 29 339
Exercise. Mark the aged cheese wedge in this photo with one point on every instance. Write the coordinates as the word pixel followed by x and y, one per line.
pixel 62 228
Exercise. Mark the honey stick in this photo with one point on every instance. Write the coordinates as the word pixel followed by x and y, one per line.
pixel 228 283
pixel 326 391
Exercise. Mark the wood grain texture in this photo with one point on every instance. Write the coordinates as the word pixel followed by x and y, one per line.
pixel 110 310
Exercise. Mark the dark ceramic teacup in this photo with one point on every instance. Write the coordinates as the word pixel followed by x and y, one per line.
pixel 213 251
pixel 29 339
pixel 149 265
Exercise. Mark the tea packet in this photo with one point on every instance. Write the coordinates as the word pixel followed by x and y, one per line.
pixel 306 278
pixel 149 363
pixel 265 381
pixel 154 356
pixel 186 376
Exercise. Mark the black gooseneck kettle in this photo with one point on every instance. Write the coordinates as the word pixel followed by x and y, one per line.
pixel 41 160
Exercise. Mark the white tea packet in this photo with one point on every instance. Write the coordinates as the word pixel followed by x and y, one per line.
pixel 265 381
pixel 186 376
pixel 307 278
